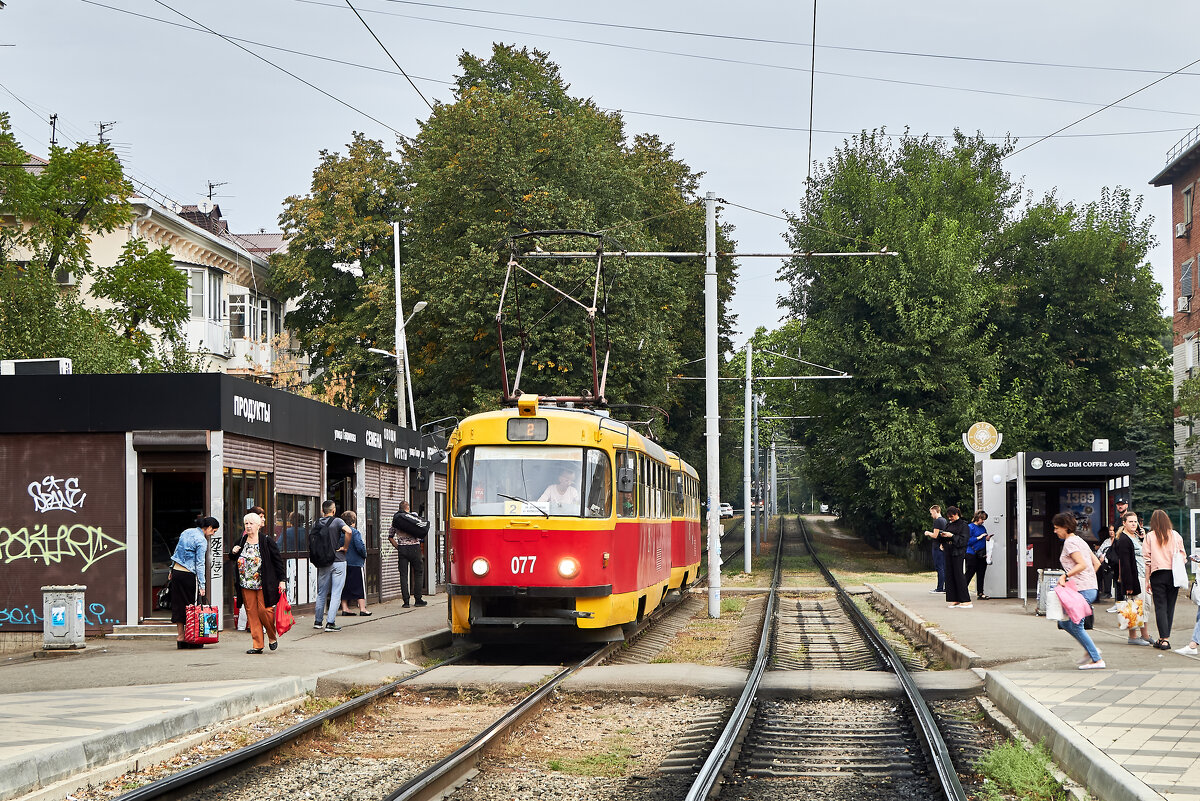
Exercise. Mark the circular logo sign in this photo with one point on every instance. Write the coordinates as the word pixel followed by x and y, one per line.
pixel 983 438
pixel 1035 463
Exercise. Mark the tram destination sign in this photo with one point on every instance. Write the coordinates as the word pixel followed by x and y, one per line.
pixel 1079 463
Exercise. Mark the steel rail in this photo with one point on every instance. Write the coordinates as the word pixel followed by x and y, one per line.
pixel 177 781
pixel 721 753
pixel 938 751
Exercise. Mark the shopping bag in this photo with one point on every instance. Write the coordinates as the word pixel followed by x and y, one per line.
pixel 201 625
pixel 1054 608
pixel 283 615
pixel 1131 614
pixel 1195 593
pixel 988 550
pixel 1178 571
pixel 1073 604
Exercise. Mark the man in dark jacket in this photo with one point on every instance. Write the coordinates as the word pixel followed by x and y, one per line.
pixel 954 544
pixel 406 535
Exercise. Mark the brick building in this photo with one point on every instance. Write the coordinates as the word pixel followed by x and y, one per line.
pixel 1182 173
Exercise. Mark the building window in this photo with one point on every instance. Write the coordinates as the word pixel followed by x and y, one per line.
pixel 237 316
pixel 295 515
pixel 196 292
pixel 1187 204
pixel 264 319
pixel 216 285
pixel 1185 279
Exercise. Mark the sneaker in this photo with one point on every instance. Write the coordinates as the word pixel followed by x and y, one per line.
pixel 1112 609
pixel 1086 660
pixel 1188 651
pixel 318 625
pixel 967 605
pixel 937 592
pixel 1138 641
pixel 406 605
pixel 1097 665
pixel 332 627
pixel 419 602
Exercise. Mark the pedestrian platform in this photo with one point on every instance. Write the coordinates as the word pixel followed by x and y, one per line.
pixel 66 713
pixel 1131 731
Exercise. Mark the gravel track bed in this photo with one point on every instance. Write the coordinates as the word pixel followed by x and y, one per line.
pixel 606 748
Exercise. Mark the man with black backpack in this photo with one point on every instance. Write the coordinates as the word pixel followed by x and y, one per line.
pixel 327 545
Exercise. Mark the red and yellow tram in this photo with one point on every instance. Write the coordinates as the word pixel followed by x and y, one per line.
pixel 562 525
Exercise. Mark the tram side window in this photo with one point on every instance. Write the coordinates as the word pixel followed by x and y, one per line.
pixel 626 503
pixel 597 481
pixel 462 482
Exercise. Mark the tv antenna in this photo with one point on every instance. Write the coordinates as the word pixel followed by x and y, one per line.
pixel 105 126
pixel 212 186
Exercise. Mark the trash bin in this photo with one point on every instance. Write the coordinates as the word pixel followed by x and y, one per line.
pixel 1046 581
pixel 62 616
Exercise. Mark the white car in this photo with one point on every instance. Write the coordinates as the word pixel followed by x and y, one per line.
pixel 726 510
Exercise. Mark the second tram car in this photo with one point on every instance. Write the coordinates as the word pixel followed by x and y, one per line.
pixel 561 525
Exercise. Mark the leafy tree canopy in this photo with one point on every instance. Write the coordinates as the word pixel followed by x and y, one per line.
pixel 48 214
pixel 1041 318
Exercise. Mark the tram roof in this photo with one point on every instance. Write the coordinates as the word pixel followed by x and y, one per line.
pixel 598 420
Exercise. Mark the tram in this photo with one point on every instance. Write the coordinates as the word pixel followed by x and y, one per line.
pixel 561 525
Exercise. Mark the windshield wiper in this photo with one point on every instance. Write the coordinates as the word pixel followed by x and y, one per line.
pixel 524 500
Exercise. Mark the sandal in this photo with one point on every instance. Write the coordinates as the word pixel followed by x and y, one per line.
pixel 1163 645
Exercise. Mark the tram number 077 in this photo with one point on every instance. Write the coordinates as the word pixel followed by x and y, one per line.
pixel 523 564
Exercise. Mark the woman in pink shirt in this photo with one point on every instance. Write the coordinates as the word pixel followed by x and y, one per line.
pixel 1079 564
pixel 1161 545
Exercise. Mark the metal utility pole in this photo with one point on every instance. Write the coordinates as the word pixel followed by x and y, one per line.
pixel 401 355
pixel 748 512
pixel 773 476
pixel 757 481
pixel 711 414
pixel 53 130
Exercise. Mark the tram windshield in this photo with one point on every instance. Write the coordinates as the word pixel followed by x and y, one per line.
pixel 524 480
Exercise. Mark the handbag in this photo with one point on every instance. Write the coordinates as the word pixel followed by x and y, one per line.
pixel 200 626
pixel 1178 570
pixel 283 615
pixel 163 599
pixel 1195 593
pixel 1074 605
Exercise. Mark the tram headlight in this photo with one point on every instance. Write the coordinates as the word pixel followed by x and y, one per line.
pixel 479 566
pixel 568 567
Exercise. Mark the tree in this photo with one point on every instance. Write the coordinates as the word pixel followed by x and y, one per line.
pixel 56 209
pixel 513 153
pixel 907 328
pixel 1042 319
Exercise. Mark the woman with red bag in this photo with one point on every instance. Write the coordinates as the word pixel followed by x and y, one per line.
pixel 260 581
pixel 186 577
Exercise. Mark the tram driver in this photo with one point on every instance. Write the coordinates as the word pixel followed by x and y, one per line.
pixel 562 495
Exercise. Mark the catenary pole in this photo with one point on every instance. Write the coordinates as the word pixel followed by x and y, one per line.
pixel 401 410
pixel 711 415
pixel 773 473
pixel 748 503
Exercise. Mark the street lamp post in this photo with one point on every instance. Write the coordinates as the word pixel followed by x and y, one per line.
pixel 401 357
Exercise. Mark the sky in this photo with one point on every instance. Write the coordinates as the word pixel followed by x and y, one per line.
pixel 728 84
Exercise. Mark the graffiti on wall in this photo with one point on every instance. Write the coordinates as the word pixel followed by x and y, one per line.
pixel 88 543
pixel 56 495
pixel 95 616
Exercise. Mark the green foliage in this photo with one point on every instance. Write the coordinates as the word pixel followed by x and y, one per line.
pixel 50 214
pixel 1016 771
pixel 145 290
pixel 1042 319
pixel 513 153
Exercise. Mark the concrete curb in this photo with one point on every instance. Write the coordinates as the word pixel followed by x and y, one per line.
pixel 409 649
pixel 63 760
pixel 1082 761
pixel 938 641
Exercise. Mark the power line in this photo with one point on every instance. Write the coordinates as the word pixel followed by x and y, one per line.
pixel 742 62
pixel 1097 111
pixel 785 42
pixel 389 55
pixel 285 71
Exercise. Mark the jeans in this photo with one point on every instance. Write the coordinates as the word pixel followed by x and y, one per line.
pixel 939 564
pixel 1162 587
pixel 1076 629
pixel 1196 631
pixel 330 581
